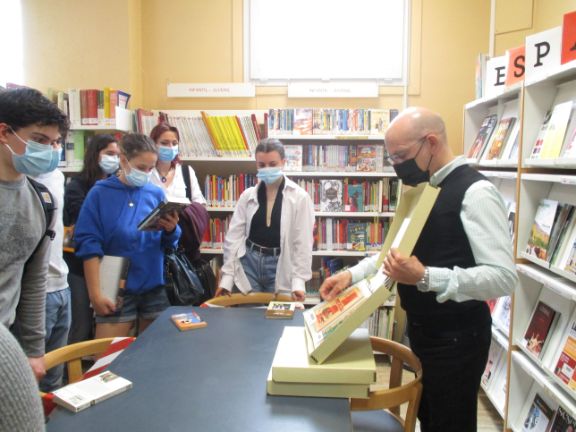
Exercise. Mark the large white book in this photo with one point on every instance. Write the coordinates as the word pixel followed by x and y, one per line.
pixel 83 394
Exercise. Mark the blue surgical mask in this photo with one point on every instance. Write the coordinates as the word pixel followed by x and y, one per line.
pixel 109 164
pixel 269 174
pixel 37 159
pixel 167 154
pixel 136 177
pixel 56 155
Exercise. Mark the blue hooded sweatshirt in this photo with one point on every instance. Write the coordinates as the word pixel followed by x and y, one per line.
pixel 107 225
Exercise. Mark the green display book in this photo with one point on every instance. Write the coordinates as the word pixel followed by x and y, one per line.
pixel 352 363
pixel 275 388
pixel 329 324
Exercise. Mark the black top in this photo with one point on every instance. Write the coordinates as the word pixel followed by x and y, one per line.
pixel 267 236
pixel 74 196
pixel 444 243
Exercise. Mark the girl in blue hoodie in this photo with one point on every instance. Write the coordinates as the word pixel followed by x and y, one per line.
pixel 107 225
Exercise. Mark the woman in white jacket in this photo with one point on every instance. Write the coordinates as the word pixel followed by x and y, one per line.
pixel 268 246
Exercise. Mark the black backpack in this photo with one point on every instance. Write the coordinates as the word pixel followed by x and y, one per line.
pixel 48 206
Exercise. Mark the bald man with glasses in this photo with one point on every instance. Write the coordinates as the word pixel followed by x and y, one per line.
pixel 462 258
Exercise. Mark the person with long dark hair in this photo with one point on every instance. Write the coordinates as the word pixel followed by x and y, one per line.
pixel 101 160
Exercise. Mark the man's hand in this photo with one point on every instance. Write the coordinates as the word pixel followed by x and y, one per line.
pixel 298 296
pixel 222 292
pixel 332 286
pixel 38 367
pixel 406 270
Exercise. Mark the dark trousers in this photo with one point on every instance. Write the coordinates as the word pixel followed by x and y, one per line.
pixel 452 362
pixel 82 326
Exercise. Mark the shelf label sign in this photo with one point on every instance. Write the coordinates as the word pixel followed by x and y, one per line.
pixel 210 90
pixel 315 89
pixel 495 75
pixel 543 52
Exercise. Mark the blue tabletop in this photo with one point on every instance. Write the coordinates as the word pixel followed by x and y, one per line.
pixel 208 379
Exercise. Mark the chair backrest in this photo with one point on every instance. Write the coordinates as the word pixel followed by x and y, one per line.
pixel 397 393
pixel 258 298
pixel 72 355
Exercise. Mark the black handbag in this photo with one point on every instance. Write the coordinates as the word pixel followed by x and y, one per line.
pixel 206 276
pixel 183 287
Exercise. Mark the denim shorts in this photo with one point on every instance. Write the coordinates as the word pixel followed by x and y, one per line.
pixel 147 305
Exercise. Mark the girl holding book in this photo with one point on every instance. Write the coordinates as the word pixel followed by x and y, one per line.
pixel 107 225
pixel 268 246
pixel 101 160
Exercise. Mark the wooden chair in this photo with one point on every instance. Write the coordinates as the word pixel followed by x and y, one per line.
pixel 236 299
pixel 72 355
pixel 381 412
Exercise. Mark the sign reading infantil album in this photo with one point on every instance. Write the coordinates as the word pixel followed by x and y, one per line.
pixel 210 90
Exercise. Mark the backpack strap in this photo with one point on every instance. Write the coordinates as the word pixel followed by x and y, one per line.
pixel 48 206
pixel 186 175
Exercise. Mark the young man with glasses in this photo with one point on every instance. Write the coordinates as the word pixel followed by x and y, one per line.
pixel 462 258
pixel 30 131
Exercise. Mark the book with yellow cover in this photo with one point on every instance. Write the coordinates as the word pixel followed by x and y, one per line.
pixel 275 388
pixel 411 215
pixel 352 363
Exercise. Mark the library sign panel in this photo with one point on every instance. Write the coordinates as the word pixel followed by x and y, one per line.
pixel 211 90
pixel 329 90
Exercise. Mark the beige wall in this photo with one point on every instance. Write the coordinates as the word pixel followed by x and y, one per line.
pixel 141 45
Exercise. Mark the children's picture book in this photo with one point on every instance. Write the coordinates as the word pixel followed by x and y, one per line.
pixel 499 138
pixel 556 130
pixel 565 368
pixel 355 201
pixel 150 222
pixel 83 394
pixel 367 158
pixel 356 236
pixel 302 121
pixel 188 321
pixel 563 421
pixel 541 229
pixel 379 121
pixel 539 328
pixel 483 136
pixel 293 154
pixel 539 416
pixel 331 195
pixel 280 310
pixel 538 144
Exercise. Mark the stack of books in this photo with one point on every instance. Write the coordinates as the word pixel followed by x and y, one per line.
pixel 348 372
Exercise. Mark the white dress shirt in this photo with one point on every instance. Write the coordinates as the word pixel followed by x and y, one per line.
pixel 296 240
pixel 485 222
pixel 177 188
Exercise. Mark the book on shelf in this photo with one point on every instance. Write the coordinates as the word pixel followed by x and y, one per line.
pixel 83 394
pixel 539 416
pixel 280 310
pixel 499 138
pixel 538 144
pixel 483 136
pixel 493 364
pixel 539 328
pixel 356 236
pixel 293 154
pixel 511 210
pixel 351 363
pixel 480 74
pixel 368 158
pixel 562 225
pixel 150 222
pixel 113 274
pixel 542 228
pixel 556 130
pixel 564 421
pixel 501 314
pixel 355 197
pixel 569 149
pixel 329 323
pixel 565 366
pixel 276 388
pixel 302 121
pixel 510 151
pixel 331 195
pixel 379 121
pixel 187 321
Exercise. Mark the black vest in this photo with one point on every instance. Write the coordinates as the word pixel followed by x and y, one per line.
pixel 443 243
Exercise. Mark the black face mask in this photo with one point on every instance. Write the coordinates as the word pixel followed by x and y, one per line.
pixel 410 174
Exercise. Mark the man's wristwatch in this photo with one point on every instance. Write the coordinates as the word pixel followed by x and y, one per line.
pixel 424 283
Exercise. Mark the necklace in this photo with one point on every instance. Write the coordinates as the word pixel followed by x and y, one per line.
pixel 164 177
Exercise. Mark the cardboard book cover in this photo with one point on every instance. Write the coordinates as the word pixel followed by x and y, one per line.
pixel 483 136
pixel 352 363
pixel 331 195
pixel 499 138
pixel 83 394
pixel 566 365
pixel 328 324
pixel 275 388
pixel 539 416
pixel 563 421
pixel 188 321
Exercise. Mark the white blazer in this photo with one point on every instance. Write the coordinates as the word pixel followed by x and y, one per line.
pixel 296 240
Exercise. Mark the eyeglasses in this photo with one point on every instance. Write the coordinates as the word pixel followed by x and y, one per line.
pixel 401 156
